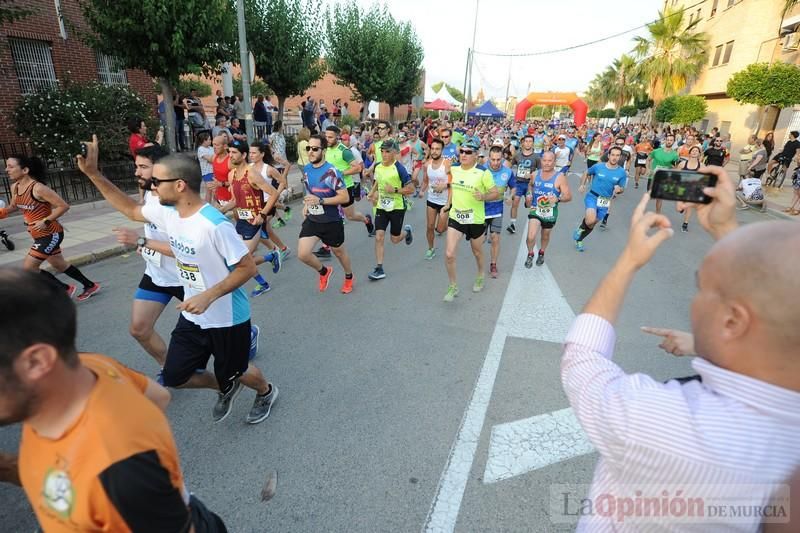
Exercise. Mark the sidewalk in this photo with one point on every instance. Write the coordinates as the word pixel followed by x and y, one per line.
pixel 777 200
pixel 87 231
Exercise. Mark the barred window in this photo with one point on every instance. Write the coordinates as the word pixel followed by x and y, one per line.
pixel 110 71
pixel 33 61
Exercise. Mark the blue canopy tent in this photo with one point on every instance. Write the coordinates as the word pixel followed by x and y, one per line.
pixel 488 109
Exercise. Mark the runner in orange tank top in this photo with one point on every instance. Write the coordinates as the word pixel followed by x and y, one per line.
pixel 41 208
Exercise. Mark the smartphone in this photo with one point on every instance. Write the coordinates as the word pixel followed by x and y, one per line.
pixel 682 186
pixel 84 150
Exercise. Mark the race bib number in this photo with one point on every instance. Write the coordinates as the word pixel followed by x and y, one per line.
pixel 245 214
pixel 191 277
pixel 465 217
pixel 387 204
pixel 544 211
pixel 603 201
pixel 316 210
pixel 523 173
pixel 151 256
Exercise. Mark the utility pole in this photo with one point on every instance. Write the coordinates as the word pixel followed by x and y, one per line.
pixel 468 95
pixel 244 61
pixel 508 85
pixel 466 77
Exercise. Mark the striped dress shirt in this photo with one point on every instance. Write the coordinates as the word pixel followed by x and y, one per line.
pixel 729 439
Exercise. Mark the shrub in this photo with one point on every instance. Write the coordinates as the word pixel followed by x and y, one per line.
pixel 55 120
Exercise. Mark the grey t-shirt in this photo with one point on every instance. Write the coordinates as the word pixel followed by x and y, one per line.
pixel 526 165
pixel 762 163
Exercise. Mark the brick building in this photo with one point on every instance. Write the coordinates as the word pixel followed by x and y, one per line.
pixel 44 49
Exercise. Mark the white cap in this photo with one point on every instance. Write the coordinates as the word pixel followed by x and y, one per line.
pixel 497 142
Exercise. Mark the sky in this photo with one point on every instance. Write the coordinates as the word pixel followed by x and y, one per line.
pixel 505 26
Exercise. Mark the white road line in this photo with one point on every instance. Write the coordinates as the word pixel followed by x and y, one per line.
pixel 533 308
pixel 519 447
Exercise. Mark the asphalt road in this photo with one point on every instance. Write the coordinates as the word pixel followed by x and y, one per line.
pixel 374 385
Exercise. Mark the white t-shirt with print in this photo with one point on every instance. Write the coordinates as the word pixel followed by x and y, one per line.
pixel 161 268
pixel 751 188
pixel 206 248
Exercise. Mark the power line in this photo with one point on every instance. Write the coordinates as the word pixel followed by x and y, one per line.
pixel 559 50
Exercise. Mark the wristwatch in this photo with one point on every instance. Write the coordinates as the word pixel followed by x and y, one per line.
pixel 46 222
pixel 396 190
pixel 141 242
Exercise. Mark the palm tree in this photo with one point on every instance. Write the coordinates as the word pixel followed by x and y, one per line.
pixel 672 55
pixel 625 81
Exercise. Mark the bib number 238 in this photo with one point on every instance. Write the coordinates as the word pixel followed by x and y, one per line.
pixel 191 276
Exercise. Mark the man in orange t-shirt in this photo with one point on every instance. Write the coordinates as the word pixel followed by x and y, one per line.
pixel 82 469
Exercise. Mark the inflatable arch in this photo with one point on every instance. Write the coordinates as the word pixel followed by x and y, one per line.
pixel 578 106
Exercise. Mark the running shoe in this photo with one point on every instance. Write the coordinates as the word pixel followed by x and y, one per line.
pixel 89 292
pixel 276 261
pixel 377 274
pixel 540 259
pixel 71 290
pixel 323 253
pixel 260 289
pixel 347 286
pixel 511 228
pixel 579 246
pixel 478 285
pixel 635 185
pixel 493 271
pixel 409 235
pixel 529 261
pixel 685 227
pixel 160 377
pixel 370 225
pixel 324 279
pixel 262 406
pixel 287 212
pixel 576 235
pixel 278 223
pixel 603 224
pixel 409 204
pixel 285 253
pixel 452 292
pixel 254 333
pixel 430 253
pixel 225 402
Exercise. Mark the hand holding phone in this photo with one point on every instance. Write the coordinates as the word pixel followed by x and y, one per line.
pixel 682 185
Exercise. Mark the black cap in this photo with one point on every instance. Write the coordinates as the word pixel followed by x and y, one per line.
pixel 389 144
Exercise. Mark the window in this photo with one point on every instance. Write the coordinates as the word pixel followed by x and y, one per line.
pixel 717 55
pixel 728 49
pixel 714 8
pixel 724 127
pixel 109 71
pixel 33 61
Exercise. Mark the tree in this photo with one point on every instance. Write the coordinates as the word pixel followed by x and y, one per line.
pixel 681 109
pixel 358 41
pixel 766 85
pixel 667 109
pixel 286 43
pixel 165 39
pixel 403 69
pixel 608 113
pixel 12 13
pixel 257 87
pixel 672 55
pixel 628 111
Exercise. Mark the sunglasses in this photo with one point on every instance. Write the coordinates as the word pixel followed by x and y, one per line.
pixel 381 127
pixel 313 148
pixel 466 152
pixel 158 181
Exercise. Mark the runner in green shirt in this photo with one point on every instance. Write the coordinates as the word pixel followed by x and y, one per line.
pixel 470 188
pixel 663 157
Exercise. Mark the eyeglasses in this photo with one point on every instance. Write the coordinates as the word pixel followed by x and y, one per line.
pixel 381 127
pixel 466 152
pixel 158 181
pixel 445 136
pixel 313 148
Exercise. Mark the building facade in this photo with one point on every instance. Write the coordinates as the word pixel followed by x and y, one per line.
pixel 742 32
pixel 45 49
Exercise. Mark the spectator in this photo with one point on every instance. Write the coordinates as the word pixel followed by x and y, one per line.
pixel 794 209
pixel 746 155
pixel 788 153
pixel 278 144
pixel 205 155
pixel 302 141
pixel 180 119
pixel 236 129
pixel 345 110
pixel 260 118
pixel 769 143
pixel 138 138
pixel 730 435
pixel 222 110
pixel 758 163
pixel 750 194
pixel 716 155
pixel 197 113
pixel 238 108
pixel 221 128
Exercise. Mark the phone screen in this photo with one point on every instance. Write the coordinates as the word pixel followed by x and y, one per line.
pixel 682 185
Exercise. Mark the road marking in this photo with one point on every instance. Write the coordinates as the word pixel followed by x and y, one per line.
pixel 532 443
pixel 533 308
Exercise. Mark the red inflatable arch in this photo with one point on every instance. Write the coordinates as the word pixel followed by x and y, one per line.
pixel 578 106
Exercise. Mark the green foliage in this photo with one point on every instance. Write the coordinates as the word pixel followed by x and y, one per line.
pixel 55 120
pixel 185 86
pixel 763 84
pixel 456 115
pixel 594 113
pixel 628 111
pixel 257 87
pixel 285 40
pixel 165 39
pixel 13 13
pixel 608 113
pixel 643 102
pixel 456 93
pixel 681 109
pixel 403 70
pixel 349 120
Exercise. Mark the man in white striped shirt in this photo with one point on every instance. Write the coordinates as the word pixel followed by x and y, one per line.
pixel 729 439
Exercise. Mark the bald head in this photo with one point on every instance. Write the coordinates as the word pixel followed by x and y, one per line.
pixel 759 264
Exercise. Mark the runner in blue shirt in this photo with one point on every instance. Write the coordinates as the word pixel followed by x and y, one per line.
pixel 450 150
pixel 504 179
pixel 603 181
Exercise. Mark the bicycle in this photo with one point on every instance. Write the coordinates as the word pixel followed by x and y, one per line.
pixel 777 175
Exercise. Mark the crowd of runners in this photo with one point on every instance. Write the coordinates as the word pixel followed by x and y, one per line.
pixel 211 223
